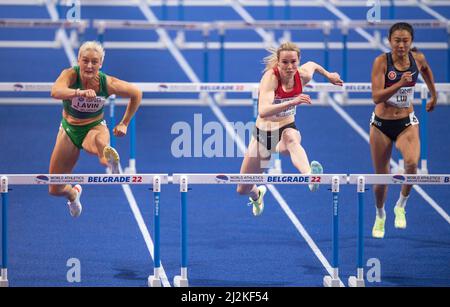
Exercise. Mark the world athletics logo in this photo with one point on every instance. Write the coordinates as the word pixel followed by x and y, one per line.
pixel 398 178
pixel 42 179
pixel 222 178
pixel 163 87
pixel 18 87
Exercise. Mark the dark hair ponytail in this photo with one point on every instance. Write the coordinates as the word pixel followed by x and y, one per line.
pixel 401 26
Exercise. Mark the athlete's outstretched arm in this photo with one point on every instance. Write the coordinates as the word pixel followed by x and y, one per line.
pixel 126 90
pixel 308 69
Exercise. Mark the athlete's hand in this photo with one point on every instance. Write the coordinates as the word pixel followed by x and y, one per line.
pixel 302 98
pixel 406 78
pixel 431 104
pixel 120 129
pixel 335 79
pixel 87 93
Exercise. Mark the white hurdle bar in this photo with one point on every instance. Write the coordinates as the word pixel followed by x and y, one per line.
pixel 235 87
pixel 335 180
pixel 154 180
pixel 80 25
pixel 184 180
pixel 245 87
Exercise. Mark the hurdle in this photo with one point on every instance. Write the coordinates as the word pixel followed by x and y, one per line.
pixel 81 25
pixel 334 180
pixel 154 180
pixel 243 87
pixel 4 269
pixel 361 180
pixel 185 180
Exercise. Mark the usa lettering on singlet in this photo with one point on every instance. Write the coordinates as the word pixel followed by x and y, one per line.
pixel 404 97
pixel 88 105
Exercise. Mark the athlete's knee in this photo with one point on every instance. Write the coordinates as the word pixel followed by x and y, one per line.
pixel 291 137
pixel 411 165
pixel 101 140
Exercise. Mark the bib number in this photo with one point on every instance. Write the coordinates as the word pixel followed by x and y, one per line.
pixel 289 111
pixel 403 98
pixel 88 105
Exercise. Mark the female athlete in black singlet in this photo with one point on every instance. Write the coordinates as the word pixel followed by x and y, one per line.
pixel 394 76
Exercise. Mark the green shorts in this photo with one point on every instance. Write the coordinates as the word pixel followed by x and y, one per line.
pixel 77 134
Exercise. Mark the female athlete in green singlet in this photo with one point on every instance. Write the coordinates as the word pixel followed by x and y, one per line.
pixel 84 89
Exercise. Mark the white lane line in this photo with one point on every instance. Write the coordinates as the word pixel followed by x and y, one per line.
pixel 302 230
pixel 143 228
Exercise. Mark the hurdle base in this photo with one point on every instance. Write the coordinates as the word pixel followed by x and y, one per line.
pixel 4 283
pixel 331 282
pixel 154 282
pixel 180 282
pixel 354 282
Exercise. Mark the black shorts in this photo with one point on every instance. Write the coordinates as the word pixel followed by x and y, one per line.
pixel 270 139
pixel 393 127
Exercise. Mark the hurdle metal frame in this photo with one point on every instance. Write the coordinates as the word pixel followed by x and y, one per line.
pixel 335 180
pixel 184 180
pixel 244 87
pixel 155 180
